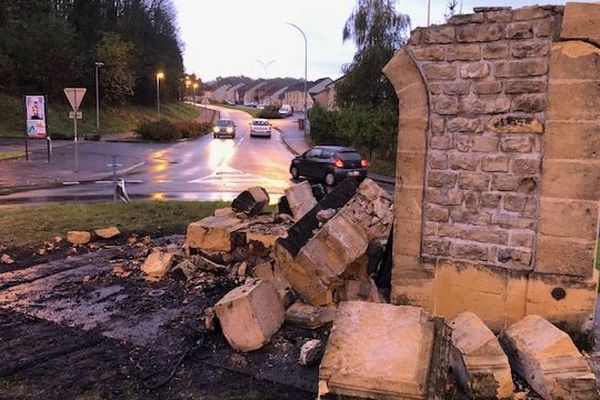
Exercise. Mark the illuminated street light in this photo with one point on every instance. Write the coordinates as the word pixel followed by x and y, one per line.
pixel 159 76
pixel 195 86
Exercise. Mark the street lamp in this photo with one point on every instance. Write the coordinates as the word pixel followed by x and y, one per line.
pixel 159 76
pixel 265 66
pixel 305 67
pixel 98 64
pixel 195 86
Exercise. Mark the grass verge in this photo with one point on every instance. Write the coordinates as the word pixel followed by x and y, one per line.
pixel 6 155
pixel 112 119
pixel 31 226
pixel 252 111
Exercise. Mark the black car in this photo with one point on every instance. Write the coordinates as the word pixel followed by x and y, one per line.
pixel 330 164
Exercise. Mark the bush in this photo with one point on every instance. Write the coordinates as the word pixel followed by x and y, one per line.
pixel 167 131
pixel 269 112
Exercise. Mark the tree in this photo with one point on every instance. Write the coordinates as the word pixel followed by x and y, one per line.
pixel 118 78
pixel 377 30
pixel 452 8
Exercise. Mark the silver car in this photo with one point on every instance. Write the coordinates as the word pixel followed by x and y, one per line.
pixel 224 127
pixel 260 127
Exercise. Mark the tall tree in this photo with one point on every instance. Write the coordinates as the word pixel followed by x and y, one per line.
pixel 378 30
pixel 118 78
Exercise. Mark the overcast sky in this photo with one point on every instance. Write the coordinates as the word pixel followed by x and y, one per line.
pixel 227 37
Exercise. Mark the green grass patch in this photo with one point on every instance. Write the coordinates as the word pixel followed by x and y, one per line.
pixel 250 110
pixel 112 119
pixel 6 155
pixel 31 226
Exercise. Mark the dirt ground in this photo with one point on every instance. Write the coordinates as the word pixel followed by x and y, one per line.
pixel 89 326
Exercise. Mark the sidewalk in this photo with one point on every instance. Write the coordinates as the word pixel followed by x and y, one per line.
pixel 295 140
pixel 94 157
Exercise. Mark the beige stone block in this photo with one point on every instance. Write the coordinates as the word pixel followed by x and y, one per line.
pixel 407 241
pixel 572 140
pixel 413 101
pixel 213 233
pixel 352 366
pixel 581 21
pixel 521 68
pixel 530 48
pixel 157 264
pixel 412 133
pixel 464 52
pixel 574 60
pixel 266 272
pixel 79 237
pixel 300 199
pixel 548 360
pixel 525 86
pixel 224 212
pixel 250 315
pixel 569 219
pixel 442 34
pixel 429 53
pixel 108 233
pixel 578 180
pixel 487 32
pixel 519 30
pixel 565 256
pixel 525 13
pixel 411 168
pixel 477 360
pixel 474 70
pixel 487 87
pixel 574 100
pixel 566 300
pixel 495 51
pixel 491 104
pixel 515 124
pixel 445 105
pixel 408 204
pixel 403 73
pixel 309 316
pixel 465 125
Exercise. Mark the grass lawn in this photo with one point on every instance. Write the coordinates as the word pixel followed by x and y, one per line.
pixel 31 226
pixel 112 119
pixel 252 111
pixel 5 155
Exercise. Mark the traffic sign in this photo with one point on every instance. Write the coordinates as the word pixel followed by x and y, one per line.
pixel 72 114
pixel 75 95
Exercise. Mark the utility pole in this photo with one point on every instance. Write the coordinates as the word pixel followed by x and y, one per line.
pixel 305 69
pixel 98 64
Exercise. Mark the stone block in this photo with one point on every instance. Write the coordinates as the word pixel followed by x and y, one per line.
pixel 521 68
pixel 575 60
pixel 309 316
pixel 529 103
pixel 515 124
pixel 470 251
pixel 514 202
pixel 409 205
pixel 486 32
pixel 466 162
pixel 486 234
pixel 444 105
pixel 573 100
pixel 521 238
pixel 582 217
pixel 487 87
pixel 544 28
pixel 572 140
pixel 485 144
pixel 438 160
pixel 473 181
pixel 472 200
pixel 465 125
pixel 442 179
pixel 577 180
pixel 108 233
pixel 495 51
pixel 411 133
pixel 461 19
pixel 525 86
pixel 474 70
pixel 490 200
pixel 429 53
pixel 514 258
pixel 532 48
pixel 251 201
pixel 527 13
pixel 436 213
pixel 494 164
pixel 519 144
pixel 449 88
pixel 477 359
pixel 250 314
pixel 526 166
pixel 300 198
pixel 441 35
pixel 434 247
pixel 565 256
pixel 498 16
pixel 581 21
pixel 548 360
pixel 512 222
pixel 79 237
pixel 446 197
pixel 224 212
pixel 353 364
pixel 214 233
pixel 441 142
pixel 464 52
pixel 157 264
pixel 411 167
pixel 519 30
pixel 484 105
pixel 438 71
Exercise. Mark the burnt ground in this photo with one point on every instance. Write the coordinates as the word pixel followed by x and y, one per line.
pixel 87 325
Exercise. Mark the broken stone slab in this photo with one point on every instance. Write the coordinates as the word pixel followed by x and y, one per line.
pixel 478 362
pixel 79 237
pixel 251 201
pixel 355 290
pixel 205 264
pixel 382 351
pixel 326 215
pixel 224 212
pixel 157 264
pixel 213 234
pixel 6 259
pixel 548 360
pixel 300 199
pixel 250 314
pixel 108 233
pixel 266 272
pixel 185 269
pixel 311 352
pixel 308 316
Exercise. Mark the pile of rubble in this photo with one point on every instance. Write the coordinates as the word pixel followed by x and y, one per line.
pixel 312 264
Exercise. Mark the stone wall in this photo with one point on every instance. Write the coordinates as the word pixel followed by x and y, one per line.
pixel 498 177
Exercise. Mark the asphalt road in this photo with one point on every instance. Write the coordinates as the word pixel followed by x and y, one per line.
pixel 200 169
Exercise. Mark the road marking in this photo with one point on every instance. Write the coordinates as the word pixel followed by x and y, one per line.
pixel 70 183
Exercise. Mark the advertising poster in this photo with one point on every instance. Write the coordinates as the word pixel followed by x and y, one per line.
pixel 35 107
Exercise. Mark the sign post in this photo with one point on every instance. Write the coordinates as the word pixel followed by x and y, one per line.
pixel 75 95
pixel 36 126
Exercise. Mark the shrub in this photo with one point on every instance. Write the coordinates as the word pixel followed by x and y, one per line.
pixel 191 129
pixel 160 131
pixel 269 112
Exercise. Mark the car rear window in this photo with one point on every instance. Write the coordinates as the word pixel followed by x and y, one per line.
pixel 260 122
pixel 349 156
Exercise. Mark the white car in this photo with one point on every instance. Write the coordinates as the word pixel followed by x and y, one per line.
pixel 286 110
pixel 260 127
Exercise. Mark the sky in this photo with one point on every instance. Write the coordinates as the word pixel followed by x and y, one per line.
pixel 253 38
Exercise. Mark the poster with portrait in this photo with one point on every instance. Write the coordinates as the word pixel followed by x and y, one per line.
pixel 35 111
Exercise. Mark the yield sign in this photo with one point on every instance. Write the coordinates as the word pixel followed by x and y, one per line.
pixel 75 95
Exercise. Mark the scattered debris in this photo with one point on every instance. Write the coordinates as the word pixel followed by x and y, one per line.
pixel 120 270
pixel 209 318
pixel 548 360
pixel 478 362
pixel 157 264
pixel 300 199
pixel 184 270
pixel 251 201
pixel 308 316
pixel 214 233
pixel 6 259
pixel 326 215
pixel 108 233
pixel 250 314
pixel 311 352
pixel 79 237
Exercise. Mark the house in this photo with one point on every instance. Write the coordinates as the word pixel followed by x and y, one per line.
pixel 252 95
pixel 275 97
pixel 326 97
pixel 294 95
pixel 219 94
pixel 232 94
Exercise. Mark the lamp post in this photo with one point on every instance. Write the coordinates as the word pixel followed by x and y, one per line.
pixel 188 83
pixel 265 66
pixel 305 68
pixel 159 76
pixel 97 65
pixel 195 86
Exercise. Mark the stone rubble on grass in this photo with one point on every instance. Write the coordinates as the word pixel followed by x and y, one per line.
pixel 548 360
pixel 79 237
pixel 251 201
pixel 308 316
pixel 300 199
pixel 477 359
pixel 108 233
pixel 157 265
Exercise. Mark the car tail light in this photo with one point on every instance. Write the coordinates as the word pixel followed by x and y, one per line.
pixel 338 163
pixel 364 163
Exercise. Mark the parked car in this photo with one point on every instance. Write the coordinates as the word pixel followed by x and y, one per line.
pixel 260 127
pixel 286 110
pixel 329 164
pixel 224 127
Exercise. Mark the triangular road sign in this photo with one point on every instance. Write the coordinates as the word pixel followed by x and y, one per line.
pixel 75 95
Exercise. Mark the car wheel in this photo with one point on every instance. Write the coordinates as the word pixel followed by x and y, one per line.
pixel 295 173
pixel 329 179
pixel 214 136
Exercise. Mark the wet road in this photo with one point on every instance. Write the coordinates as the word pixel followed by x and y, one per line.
pixel 201 169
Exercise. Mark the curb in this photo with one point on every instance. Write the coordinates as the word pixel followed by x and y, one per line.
pixel 285 143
